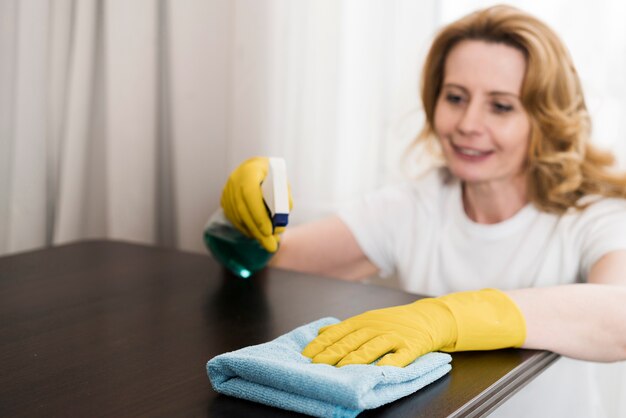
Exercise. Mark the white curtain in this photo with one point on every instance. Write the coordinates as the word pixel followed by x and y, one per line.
pixel 122 119
pixel 61 154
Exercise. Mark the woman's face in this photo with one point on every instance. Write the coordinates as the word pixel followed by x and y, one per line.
pixel 479 119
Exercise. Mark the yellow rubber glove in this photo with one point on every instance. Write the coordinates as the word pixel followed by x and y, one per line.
pixel 242 202
pixel 476 320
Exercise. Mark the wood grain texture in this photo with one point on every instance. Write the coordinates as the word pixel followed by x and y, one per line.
pixel 113 329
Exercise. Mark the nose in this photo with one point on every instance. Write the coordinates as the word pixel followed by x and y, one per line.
pixel 472 119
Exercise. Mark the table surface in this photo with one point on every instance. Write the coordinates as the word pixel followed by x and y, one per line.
pixel 104 328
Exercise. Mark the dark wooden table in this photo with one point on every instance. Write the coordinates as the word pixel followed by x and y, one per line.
pixel 113 329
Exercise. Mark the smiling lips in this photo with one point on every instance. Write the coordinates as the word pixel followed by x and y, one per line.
pixel 470 154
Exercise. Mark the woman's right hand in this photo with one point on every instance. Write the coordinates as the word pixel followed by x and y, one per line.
pixel 243 205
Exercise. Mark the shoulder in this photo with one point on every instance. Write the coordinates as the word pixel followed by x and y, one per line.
pixel 597 213
pixel 598 208
pixel 597 230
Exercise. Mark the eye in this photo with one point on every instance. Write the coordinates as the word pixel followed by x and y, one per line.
pixel 501 107
pixel 453 98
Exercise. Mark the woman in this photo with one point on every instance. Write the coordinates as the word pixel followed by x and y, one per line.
pixel 523 203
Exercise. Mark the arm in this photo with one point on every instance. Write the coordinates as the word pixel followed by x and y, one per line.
pixel 583 321
pixel 325 247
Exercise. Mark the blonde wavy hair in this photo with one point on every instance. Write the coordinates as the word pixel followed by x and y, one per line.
pixel 562 166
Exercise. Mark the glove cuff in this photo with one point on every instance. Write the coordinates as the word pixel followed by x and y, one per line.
pixel 486 319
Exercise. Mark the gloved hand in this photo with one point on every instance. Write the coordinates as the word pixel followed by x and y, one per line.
pixel 476 320
pixel 242 202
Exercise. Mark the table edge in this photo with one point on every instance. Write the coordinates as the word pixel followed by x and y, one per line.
pixel 507 386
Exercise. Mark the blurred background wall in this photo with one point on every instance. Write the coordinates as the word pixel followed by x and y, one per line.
pixel 122 119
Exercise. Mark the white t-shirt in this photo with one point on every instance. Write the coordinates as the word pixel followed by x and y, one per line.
pixel 420 233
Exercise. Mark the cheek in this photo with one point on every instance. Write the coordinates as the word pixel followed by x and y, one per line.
pixel 519 135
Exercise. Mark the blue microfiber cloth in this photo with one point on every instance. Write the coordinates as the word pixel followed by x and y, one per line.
pixel 276 374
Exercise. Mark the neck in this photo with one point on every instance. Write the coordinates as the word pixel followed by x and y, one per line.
pixel 493 202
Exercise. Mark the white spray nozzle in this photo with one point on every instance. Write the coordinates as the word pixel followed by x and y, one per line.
pixel 276 192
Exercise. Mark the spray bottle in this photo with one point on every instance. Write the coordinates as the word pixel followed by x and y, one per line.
pixel 239 253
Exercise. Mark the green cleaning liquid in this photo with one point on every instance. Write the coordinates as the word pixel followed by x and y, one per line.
pixel 240 254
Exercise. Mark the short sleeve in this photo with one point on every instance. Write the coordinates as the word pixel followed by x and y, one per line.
pixel 375 221
pixel 604 230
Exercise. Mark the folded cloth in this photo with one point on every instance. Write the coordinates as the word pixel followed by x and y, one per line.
pixel 277 374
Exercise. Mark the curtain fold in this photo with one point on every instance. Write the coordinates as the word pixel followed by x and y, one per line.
pixel 8 33
pixel 22 124
pixel 165 219
pixel 76 131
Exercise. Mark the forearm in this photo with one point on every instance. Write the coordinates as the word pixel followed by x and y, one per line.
pixel 583 321
pixel 325 247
